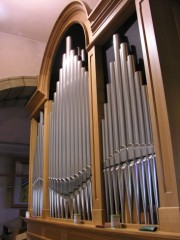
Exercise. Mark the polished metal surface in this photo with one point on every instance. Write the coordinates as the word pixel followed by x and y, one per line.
pixel 69 143
pixel 128 153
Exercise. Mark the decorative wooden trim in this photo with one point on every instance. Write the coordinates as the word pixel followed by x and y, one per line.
pixel 96 93
pixel 159 89
pixel 47 229
pixel 33 133
pixel 160 119
pixel 107 17
pixel 35 103
pixel 75 12
pixel 46 209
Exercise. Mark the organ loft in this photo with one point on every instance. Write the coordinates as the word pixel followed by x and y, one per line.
pixel 104 147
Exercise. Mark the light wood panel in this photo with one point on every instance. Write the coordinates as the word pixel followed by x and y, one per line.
pixel 46 207
pixel 41 229
pixel 107 17
pixel 96 105
pixel 162 79
pixel 33 134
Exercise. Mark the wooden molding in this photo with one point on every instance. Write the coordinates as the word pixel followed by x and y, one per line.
pixel 75 12
pixel 46 207
pixel 159 114
pixel 107 17
pixel 33 132
pixel 35 103
pixel 169 218
pixel 96 86
pixel 49 229
pixel 159 82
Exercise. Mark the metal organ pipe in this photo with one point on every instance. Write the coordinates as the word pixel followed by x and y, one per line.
pixel 69 142
pixel 128 150
pixel 37 169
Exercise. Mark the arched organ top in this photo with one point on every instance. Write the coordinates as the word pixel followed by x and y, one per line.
pixel 69 142
pixel 128 152
pixel 77 31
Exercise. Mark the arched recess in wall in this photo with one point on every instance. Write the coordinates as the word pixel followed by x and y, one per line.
pixel 76 13
pixel 15 92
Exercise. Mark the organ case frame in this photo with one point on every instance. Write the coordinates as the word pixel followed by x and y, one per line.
pixel 102 28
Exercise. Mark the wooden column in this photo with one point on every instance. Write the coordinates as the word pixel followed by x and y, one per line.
pixel 46 208
pixel 96 93
pixel 33 133
pixel 159 24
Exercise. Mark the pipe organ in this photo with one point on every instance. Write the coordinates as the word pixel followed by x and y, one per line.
pixel 69 142
pixel 106 148
pixel 128 151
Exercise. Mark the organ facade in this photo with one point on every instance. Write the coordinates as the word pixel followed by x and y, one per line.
pixel 104 124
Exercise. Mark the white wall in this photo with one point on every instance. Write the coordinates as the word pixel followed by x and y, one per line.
pixel 20 56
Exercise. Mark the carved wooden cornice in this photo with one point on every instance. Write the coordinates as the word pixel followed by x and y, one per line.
pixel 107 17
pixel 35 103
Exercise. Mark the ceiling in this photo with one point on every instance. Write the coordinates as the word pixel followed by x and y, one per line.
pixel 32 19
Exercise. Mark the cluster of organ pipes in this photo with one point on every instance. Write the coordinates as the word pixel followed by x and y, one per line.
pixel 69 141
pixel 37 169
pixel 128 155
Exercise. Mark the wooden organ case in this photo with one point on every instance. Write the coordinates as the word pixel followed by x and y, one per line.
pixel 105 130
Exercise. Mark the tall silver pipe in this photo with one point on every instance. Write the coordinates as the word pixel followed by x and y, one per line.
pixel 105 174
pixel 76 160
pixel 114 111
pixel 128 124
pixel 110 187
pixel 119 91
pixel 125 83
pixel 71 107
pixel 84 146
pixel 116 139
pixel 50 162
pixel 111 149
pixel 136 140
pixel 37 173
pixel 142 144
pixel 138 81
pixel 150 149
pixel 54 153
pixel 88 144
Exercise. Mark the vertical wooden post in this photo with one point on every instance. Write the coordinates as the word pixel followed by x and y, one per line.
pixel 96 94
pixel 159 30
pixel 46 208
pixel 33 134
